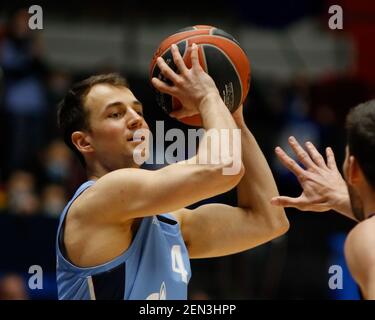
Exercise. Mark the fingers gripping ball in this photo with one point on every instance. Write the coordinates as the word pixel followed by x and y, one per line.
pixel 220 55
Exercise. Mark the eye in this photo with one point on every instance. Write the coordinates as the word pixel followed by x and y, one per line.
pixel 116 115
pixel 140 113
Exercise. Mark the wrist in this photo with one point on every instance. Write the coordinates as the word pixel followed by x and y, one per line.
pixel 341 202
pixel 211 99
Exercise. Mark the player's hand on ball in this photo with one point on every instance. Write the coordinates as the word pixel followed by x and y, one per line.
pixel 190 86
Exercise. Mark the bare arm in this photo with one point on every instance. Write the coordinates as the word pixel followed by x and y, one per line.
pixel 258 186
pixel 126 194
pixel 360 256
pixel 217 229
pixel 323 186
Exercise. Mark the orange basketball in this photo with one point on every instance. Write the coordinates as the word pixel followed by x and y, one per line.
pixel 220 55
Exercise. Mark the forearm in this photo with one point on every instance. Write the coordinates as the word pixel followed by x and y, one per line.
pixel 257 186
pixel 220 142
pixel 215 114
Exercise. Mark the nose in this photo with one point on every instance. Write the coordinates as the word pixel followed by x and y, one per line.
pixel 134 120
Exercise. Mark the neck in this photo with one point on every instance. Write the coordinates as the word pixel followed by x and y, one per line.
pixel 94 174
pixel 369 204
pixel 97 170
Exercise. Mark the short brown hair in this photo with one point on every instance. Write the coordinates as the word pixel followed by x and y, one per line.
pixel 360 125
pixel 71 114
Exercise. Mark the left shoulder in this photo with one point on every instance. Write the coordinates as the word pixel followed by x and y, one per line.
pixel 360 249
pixel 362 236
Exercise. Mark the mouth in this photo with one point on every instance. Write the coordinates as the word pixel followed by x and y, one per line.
pixel 132 139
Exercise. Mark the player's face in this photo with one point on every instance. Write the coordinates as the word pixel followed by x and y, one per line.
pixel 114 115
pixel 355 197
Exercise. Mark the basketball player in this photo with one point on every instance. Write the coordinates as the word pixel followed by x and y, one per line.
pixel 325 189
pixel 126 233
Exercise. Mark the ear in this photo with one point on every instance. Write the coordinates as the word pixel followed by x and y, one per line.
pixel 354 173
pixel 82 142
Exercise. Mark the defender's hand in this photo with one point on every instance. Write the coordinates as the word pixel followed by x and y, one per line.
pixel 323 186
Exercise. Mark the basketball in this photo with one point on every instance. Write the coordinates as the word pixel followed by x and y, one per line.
pixel 220 55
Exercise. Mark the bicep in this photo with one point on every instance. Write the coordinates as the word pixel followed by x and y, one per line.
pixel 130 193
pixel 215 230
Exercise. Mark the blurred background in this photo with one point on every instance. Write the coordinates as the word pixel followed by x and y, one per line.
pixel 305 78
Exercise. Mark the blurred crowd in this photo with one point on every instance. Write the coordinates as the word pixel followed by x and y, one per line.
pixel 39 174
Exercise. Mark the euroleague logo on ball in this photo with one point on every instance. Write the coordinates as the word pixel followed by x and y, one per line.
pixel 220 55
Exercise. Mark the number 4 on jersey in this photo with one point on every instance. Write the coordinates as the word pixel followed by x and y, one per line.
pixel 178 263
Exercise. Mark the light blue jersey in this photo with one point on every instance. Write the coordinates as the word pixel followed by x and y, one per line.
pixel 155 266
